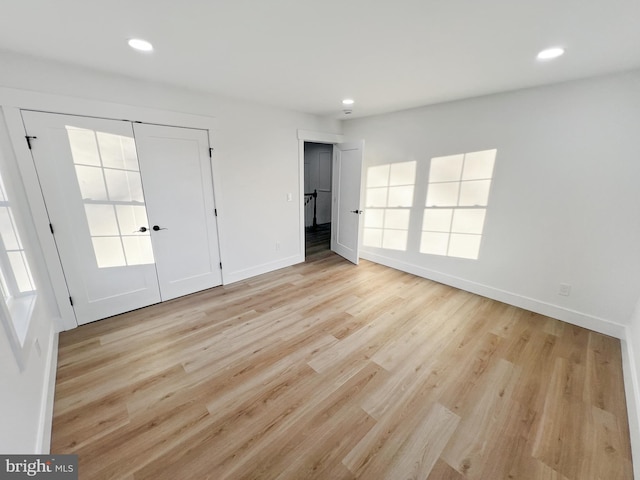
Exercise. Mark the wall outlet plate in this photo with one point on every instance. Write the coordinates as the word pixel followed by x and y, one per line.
pixel 564 290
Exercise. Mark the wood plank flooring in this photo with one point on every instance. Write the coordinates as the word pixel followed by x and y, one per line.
pixel 330 371
pixel 317 239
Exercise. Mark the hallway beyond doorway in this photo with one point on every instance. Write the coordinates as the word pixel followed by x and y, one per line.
pixel 317 239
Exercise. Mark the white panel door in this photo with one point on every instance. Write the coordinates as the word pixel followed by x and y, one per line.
pixel 176 173
pixel 90 179
pixel 347 178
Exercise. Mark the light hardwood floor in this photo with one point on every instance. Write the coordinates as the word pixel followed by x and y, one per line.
pixel 330 371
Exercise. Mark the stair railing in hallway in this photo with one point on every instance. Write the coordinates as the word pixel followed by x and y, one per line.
pixel 307 199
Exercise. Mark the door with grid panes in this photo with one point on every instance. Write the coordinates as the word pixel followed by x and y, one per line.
pixel 92 185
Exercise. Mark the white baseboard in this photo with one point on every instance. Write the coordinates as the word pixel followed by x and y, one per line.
pixel 238 275
pixel 566 315
pixel 43 444
pixel 632 394
pixel 630 369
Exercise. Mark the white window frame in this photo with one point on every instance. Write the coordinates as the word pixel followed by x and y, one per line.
pixel 17 309
pixel 17 306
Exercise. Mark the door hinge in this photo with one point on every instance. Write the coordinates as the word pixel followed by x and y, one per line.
pixel 215 212
pixel 220 265
pixel 29 138
pixel 210 152
pixel 51 228
pixel 71 301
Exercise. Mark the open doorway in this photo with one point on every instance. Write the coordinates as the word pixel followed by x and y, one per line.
pixel 318 159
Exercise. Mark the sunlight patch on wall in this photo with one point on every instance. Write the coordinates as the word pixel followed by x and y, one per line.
pixel 108 175
pixel 389 198
pixel 457 197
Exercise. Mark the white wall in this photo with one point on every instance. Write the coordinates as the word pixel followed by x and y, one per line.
pixel 256 155
pixel 564 205
pixel 255 162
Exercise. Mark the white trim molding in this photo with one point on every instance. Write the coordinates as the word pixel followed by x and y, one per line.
pixel 43 445
pixel 238 275
pixel 319 137
pixel 600 325
pixel 632 394
pixel 566 315
pixel 316 137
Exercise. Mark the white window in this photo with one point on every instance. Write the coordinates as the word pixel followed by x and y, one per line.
pixel 457 197
pixel 16 282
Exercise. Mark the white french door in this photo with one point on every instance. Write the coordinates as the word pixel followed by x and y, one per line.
pixel 90 179
pixel 347 181
pixel 100 196
pixel 177 181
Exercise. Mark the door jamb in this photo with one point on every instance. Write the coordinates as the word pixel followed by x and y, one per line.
pixel 316 137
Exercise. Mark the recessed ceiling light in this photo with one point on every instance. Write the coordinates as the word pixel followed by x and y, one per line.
pixel 140 44
pixel 348 101
pixel 550 53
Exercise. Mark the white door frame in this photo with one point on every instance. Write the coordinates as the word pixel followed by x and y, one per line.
pixel 316 137
pixel 14 100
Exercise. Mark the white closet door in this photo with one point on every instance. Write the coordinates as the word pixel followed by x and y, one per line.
pixel 90 179
pixel 176 173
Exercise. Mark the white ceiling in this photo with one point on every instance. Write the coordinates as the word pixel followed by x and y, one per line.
pixel 307 55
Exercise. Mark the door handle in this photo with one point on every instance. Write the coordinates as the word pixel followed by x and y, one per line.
pixel 141 229
pixel 156 228
pixel 356 211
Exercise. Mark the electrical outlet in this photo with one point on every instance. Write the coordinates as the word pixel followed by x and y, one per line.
pixel 564 290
